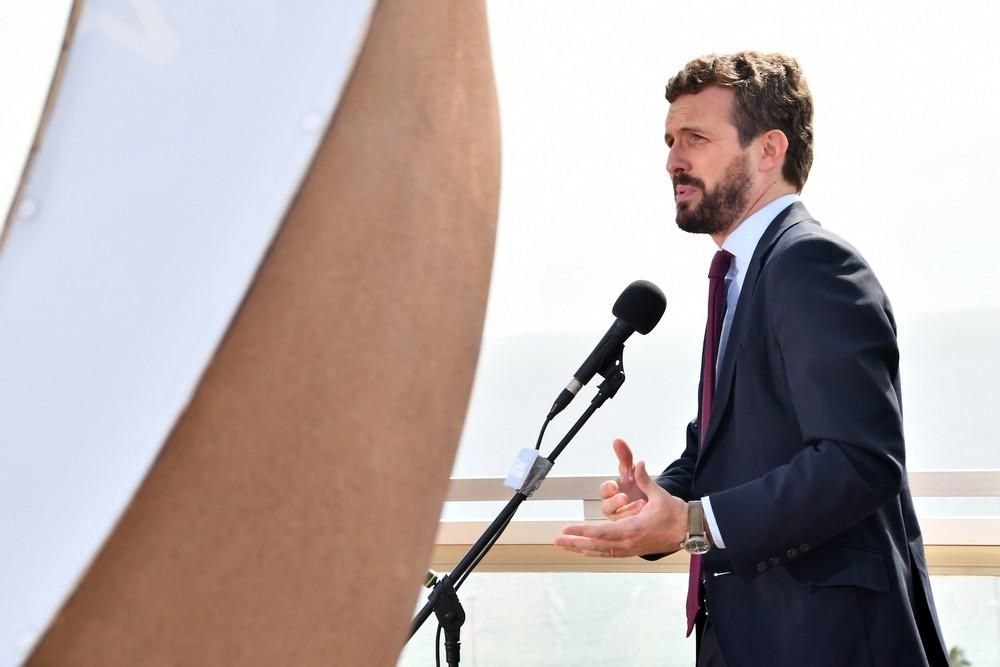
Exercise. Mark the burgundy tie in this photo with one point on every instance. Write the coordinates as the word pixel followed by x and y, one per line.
pixel 713 332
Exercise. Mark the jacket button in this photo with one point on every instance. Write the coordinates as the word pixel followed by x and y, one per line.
pixel 792 553
pixel 804 548
pixel 774 561
pixel 762 566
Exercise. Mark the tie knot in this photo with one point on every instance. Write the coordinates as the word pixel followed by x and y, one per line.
pixel 720 264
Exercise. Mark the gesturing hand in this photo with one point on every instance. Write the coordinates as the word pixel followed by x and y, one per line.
pixel 656 524
pixel 622 497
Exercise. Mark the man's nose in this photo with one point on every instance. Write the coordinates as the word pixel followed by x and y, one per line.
pixel 676 163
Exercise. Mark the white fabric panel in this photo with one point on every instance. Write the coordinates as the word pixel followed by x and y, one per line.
pixel 181 132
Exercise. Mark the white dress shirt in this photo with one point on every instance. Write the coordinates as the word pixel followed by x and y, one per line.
pixel 741 243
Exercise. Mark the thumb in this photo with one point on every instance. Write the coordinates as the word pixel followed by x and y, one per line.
pixel 643 480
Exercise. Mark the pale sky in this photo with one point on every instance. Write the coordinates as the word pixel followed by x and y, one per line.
pixel 907 133
pixel 906 138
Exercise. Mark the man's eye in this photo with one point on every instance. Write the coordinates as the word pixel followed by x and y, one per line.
pixel 697 139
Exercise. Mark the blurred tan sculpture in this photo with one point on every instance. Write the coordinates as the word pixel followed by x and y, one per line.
pixel 290 517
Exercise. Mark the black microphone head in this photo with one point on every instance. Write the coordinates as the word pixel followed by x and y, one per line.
pixel 641 306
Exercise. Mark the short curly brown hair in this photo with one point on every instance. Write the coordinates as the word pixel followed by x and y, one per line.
pixel 771 93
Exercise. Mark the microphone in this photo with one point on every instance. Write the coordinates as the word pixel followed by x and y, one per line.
pixel 638 308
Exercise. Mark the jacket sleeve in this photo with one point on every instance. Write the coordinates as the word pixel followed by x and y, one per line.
pixel 677 476
pixel 830 324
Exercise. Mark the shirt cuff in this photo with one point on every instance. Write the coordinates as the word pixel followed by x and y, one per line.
pixel 706 505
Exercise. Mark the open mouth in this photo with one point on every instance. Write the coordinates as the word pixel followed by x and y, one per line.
pixel 684 193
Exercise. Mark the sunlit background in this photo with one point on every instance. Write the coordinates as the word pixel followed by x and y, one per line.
pixel 907 133
pixel 906 137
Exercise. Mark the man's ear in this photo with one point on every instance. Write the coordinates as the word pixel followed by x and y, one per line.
pixel 773 148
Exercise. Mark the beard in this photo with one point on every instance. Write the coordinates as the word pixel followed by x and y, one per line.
pixel 721 208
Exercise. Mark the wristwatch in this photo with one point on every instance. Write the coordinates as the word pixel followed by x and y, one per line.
pixel 697 541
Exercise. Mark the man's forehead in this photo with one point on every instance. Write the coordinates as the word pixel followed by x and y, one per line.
pixel 711 105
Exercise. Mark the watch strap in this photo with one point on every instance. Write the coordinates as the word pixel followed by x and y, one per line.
pixel 696 518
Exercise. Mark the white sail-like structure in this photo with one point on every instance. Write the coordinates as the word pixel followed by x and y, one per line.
pixel 179 134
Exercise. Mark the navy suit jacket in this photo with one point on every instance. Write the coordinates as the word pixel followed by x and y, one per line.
pixel 804 463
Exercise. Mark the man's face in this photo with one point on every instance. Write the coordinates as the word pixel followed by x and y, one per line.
pixel 710 170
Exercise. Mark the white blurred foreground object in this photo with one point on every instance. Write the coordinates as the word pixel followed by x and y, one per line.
pixel 179 135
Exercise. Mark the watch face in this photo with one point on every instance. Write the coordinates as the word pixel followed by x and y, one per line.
pixel 697 544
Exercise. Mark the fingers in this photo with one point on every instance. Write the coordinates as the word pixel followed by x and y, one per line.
pixel 630 509
pixel 612 500
pixel 619 506
pixel 624 454
pixel 592 531
pixel 591 540
pixel 610 506
pixel 623 497
pixel 586 547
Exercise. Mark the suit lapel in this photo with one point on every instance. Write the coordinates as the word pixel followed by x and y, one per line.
pixel 789 217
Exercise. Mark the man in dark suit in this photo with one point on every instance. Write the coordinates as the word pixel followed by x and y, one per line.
pixel 792 491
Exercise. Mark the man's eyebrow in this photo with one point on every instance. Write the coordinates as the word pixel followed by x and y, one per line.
pixel 686 129
pixel 694 129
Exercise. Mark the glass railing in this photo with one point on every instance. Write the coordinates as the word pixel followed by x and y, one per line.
pixel 630 619
pixel 529 603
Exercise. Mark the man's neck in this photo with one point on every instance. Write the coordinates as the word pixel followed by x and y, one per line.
pixel 766 196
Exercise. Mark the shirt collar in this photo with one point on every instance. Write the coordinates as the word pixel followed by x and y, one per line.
pixel 743 240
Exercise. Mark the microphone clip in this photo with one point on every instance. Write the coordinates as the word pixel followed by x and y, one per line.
pixel 613 374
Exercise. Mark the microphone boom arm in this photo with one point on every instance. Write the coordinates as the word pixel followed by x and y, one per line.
pixel 614 374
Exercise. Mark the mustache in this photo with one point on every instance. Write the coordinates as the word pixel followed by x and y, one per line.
pixel 687 179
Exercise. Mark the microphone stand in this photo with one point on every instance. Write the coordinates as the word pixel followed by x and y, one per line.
pixel 443 600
